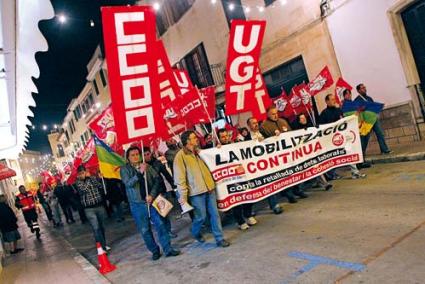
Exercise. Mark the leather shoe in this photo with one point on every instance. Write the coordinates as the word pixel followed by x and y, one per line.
pixel 172 252
pixel 223 244
pixel 156 256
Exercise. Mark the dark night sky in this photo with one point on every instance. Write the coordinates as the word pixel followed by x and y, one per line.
pixel 63 67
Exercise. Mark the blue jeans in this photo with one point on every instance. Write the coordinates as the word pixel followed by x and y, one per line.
pixel 272 200
pixel 379 132
pixel 95 216
pixel 202 203
pixel 139 211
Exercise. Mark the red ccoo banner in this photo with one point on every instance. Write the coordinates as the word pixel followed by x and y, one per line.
pixel 130 42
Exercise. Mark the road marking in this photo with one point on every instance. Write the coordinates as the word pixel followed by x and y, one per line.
pixel 315 260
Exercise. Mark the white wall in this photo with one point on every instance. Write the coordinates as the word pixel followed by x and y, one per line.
pixel 366 50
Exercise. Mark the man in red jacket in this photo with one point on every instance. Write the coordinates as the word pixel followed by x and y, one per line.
pixel 26 202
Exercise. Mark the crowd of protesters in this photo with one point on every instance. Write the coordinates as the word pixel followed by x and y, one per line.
pixel 178 174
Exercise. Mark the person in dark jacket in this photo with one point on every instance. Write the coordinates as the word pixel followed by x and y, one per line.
pixel 163 173
pixel 173 148
pixel 302 122
pixel 115 197
pixel 331 114
pixel 92 197
pixel 377 128
pixel 9 226
pixel 64 194
pixel 41 198
pixel 140 198
pixel 243 211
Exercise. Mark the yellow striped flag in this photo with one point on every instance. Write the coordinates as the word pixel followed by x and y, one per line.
pixel 109 161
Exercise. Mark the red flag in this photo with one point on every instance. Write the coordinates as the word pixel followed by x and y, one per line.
pixel 261 101
pixel 47 178
pixel 191 108
pixel 104 128
pixel 322 82
pixel 303 92
pixel 170 92
pixel 183 80
pixel 244 50
pixel 208 96
pixel 130 43
pixel 296 101
pixel 340 87
pixel 88 156
pixel 283 106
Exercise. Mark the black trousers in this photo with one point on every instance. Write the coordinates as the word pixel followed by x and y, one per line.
pixel 30 217
pixel 241 212
pixel 67 211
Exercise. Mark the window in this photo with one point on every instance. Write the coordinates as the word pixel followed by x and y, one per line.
pixel 268 2
pixel 61 153
pixel 103 78
pixel 87 135
pixel 90 100
pixel 179 8
pixel 77 113
pixel 84 107
pixel 72 126
pixel 285 76
pixel 66 135
pixel 236 13
pixel 196 63
pixel 83 139
pixel 96 88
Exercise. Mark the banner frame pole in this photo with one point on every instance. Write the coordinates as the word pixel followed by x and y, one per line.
pixel 145 178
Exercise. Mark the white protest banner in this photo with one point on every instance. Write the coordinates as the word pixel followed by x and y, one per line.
pixel 250 171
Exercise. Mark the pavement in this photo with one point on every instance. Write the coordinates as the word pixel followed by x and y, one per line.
pixel 401 153
pixel 362 231
pixel 48 260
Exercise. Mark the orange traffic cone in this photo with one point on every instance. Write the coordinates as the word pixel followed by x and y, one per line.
pixel 104 265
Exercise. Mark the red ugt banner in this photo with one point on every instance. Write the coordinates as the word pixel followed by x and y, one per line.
pixel 261 101
pixel 244 50
pixel 322 82
pixel 130 42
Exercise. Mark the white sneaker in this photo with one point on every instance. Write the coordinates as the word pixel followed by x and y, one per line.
pixel 359 175
pixel 244 227
pixel 252 221
pixel 107 248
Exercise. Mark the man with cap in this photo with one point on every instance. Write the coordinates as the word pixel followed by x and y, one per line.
pixel 92 197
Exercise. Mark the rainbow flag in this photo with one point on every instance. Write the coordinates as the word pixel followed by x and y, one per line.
pixel 109 161
pixel 367 113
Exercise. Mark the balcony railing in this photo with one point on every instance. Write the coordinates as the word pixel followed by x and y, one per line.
pixel 218 73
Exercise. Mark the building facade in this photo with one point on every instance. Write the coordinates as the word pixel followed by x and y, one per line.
pixel 74 132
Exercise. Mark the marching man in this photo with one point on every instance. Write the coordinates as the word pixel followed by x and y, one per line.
pixel 26 202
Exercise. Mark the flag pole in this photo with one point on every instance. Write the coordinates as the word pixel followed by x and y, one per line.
pixel 145 178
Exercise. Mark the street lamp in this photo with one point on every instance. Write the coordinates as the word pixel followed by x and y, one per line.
pixel 62 18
